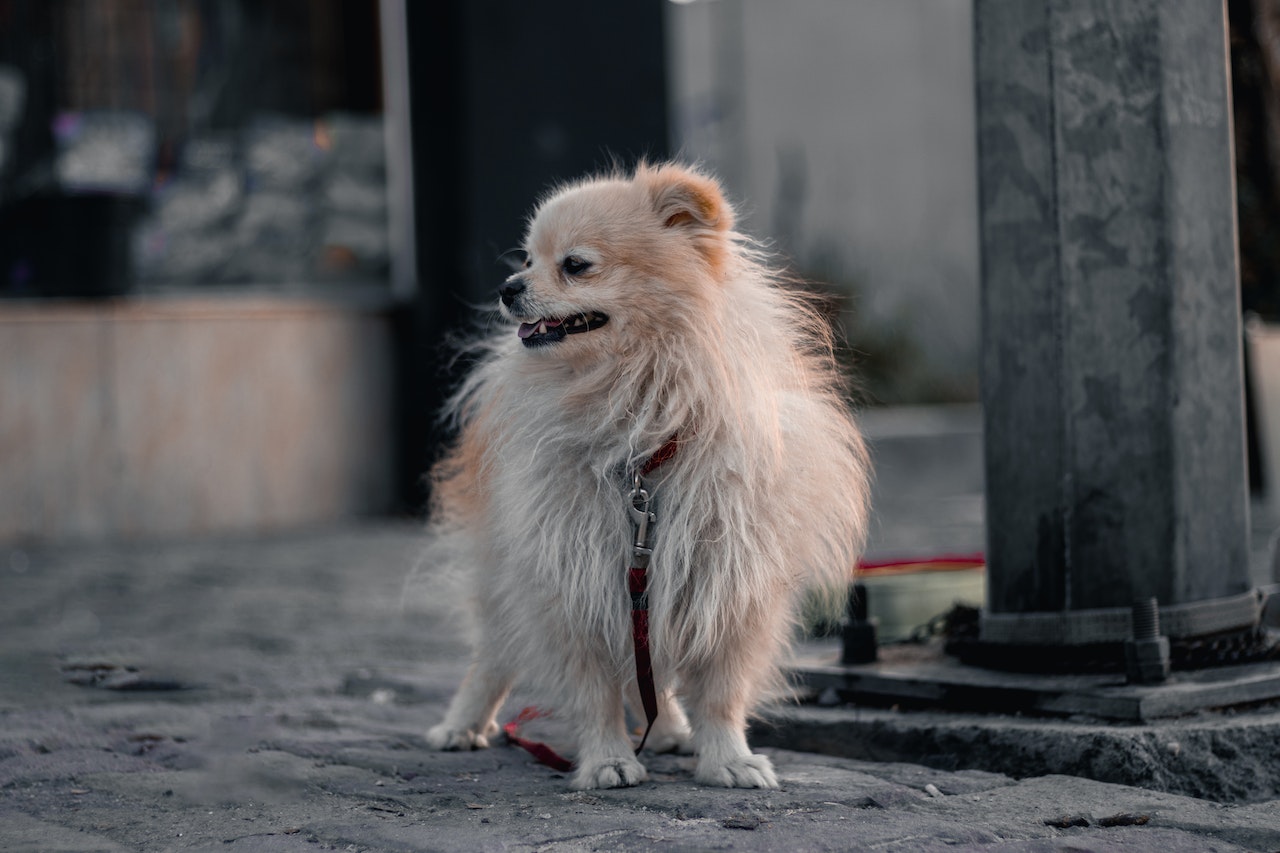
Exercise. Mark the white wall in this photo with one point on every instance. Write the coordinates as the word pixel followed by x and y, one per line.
pixel 870 104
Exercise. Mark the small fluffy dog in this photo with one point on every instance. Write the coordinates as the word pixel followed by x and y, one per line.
pixel 641 320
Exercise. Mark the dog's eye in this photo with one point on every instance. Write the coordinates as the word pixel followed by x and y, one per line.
pixel 574 265
pixel 528 261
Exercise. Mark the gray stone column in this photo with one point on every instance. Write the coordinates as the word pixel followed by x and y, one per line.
pixel 1111 358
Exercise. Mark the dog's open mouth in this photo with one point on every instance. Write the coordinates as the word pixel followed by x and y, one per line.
pixel 549 330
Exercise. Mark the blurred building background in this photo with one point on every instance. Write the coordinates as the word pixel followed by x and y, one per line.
pixel 196 260
pixel 847 132
pixel 237 237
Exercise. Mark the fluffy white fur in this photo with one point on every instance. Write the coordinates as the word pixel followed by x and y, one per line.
pixel 767 496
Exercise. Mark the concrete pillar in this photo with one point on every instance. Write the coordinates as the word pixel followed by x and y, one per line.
pixel 1111 358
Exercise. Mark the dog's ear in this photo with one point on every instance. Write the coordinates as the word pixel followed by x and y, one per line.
pixel 684 199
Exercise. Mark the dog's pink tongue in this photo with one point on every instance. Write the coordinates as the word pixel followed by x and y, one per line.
pixel 527 329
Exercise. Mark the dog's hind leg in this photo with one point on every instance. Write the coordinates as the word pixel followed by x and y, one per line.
pixel 472 716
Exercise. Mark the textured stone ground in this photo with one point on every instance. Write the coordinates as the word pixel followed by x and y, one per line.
pixel 271 695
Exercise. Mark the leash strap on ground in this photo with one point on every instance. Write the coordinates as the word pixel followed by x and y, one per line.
pixel 543 753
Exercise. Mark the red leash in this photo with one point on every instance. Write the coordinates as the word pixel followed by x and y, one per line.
pixel 638 583
pixel 638 587
pixel 543 753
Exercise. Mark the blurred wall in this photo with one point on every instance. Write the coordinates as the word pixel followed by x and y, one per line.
pixel 508 98
pixel 554 91
pixel 142 418
pixel 847 129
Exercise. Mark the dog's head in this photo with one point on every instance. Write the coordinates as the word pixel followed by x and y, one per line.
pixel 612 261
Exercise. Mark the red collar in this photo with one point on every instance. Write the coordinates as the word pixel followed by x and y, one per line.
pixel 663 454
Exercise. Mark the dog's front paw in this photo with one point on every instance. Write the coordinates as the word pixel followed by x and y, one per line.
pixel 745 771
pixel 446 737
pixel 616 772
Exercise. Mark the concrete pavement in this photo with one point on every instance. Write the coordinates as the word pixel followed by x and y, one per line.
pixel 271 694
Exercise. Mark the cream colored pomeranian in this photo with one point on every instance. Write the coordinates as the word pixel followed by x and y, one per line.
pixel 646 336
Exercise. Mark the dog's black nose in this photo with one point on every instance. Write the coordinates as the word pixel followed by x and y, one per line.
pixel 510 290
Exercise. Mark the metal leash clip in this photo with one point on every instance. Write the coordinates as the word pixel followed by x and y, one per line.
pixel 641 518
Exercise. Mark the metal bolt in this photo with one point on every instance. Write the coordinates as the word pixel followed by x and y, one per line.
pixel 859 631
pixel 1146 619
pixel 1147 654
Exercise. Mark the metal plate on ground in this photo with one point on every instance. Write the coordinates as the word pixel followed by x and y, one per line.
pixel 923 677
